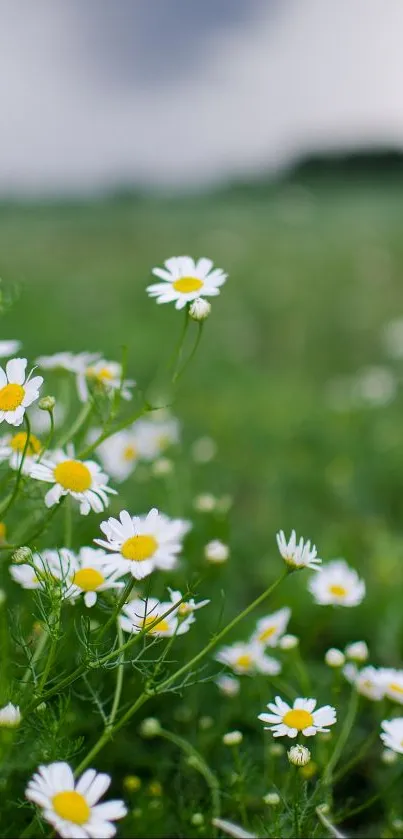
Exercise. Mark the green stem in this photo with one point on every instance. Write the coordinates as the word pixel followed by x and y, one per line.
pixel 109 431
pixel 49 438
pixel 177 354
pixel 118 608
pixel 343 737
pixel 37 654
pixel 68 522
pixel 119 679
pixel 76 426
pixel 179 373
pixel 239 770
pixel 199 764
pixel 8 502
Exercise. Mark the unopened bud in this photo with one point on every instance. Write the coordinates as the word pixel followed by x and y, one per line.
pixel 200 309
pixel 334 658
pixel 288 642
pixel 47 403
pixel 232 738
pixel 299 755
pixel 23 554
pixel 132 783
pixel 358 651
pixel 150 727
pixel 272 798
pixel 197 819
pixel 162 466
pixel 216 551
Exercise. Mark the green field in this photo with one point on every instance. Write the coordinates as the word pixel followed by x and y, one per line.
pixel 315 273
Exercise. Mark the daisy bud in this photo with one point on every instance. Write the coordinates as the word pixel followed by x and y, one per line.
pixel 334 658
pixel 199 309
pixel 22 554
pixel 197 819
pixel 358 651
pixel 132 783
pixel 205 503
pixel 162 466
pixel 288 642
pixel 299 755
pixel 272 798
pixel 150 727
pixel 10 716
pixel 216 551
pixel 389 757
pixel 232 738
pixel 47 403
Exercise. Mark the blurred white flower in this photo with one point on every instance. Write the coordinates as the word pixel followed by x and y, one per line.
pixel 204 449
pixel 205 503
pixel 8 348
pixel 357 651
pixel 337 585
pixel 106 375
pixel 393 338
pixel 246 659
pixel 270 628
pixel 138 614
pixel 334 658
pixel 392 681
pixel 375 386
pixel 228 685
pixel 392 734
pixel 216 551
pixel 288 642
pixel 366 681
pixel 232 738
pixel 12 448
pixel 10 716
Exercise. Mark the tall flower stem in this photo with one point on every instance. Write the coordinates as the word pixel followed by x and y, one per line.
pixel 10 501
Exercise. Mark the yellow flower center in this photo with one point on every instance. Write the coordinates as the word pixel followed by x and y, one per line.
pixel 89 579
pixel 267 633
pixel 130 453
pixel 11 397
pixel 298 718
pixel 396 688
pixel 3 531
pixel 102 375
pixel 187 284
pixel 19 440
pixel 161 626
pixel 73 475
pixel 139 548
pixel 184 609
pixel 244 661
pixel 338 591
pixel 71 806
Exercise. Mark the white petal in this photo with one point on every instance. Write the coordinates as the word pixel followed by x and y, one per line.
pixel 15 369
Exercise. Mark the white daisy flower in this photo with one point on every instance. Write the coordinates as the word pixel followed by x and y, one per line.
pixel 228 685
pixel 106 374
pixel 10 716
pixel 272 627
pixel 185 280
pixel 186 607
pixel 138 614
pixel 297 555
pixel 337 585
pixel 82 479
pixel 72 362
pixel 392 681
pixel 155 435
pixel 88 573
pixel 367 681
pixel 248 658
pixel 392 735
pixel 119 454
pixel 17 392
pixel 8 348
pixel 70 806
pixel 302 717
pixel 12 447
pixel 140 544
pixel 48 565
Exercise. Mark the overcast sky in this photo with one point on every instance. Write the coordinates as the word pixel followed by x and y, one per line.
pixel 184 92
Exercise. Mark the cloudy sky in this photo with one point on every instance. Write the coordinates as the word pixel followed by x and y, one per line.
pixel 184 92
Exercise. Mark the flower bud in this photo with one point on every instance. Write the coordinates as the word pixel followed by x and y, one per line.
pixel 358 651
pixel 232 738
pixel 299 755
pixel 205 503
pixel 10 716
pixel 197 819
pixel 162 466
pixel 288 642
pixel 216 551
pixel 334 658
pixel 228 685
pixel 150 727
pixel 272 798
pixel 47 403
pixel 199 309
pixel 23 554
pixel 132 783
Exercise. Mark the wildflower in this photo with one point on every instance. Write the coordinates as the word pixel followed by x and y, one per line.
pixel 71 362
pixel 245 659
pixel 392 681
pixel 300 555
pixel 17 392
pixel 10 716
pixel 157 434
pixel 82 479
pixel 47 403
pixel 272 798
pixel 162 466
pixel 228 685
pixel 150 727
pixel 299 755
pixel 138 614
pixel 288 642
pixel 45 567
pixel 216 551
pixel 140 544
pixel 205 503
pixel 392 736
pixel 106 375
pixel 334 658
pixel 8 348
pixel 366 681
pixel 22 554
pixel 185 280
pixel 337 585
pixel 388 757
pixel 71 806
pixel 357 651
pixel 204 450
pixel 232 738
pixel 88 573
pixel 12 448
pixel 300 718
pixel 186 607
pixel 132 783
pixel 269 629
pixel 199 309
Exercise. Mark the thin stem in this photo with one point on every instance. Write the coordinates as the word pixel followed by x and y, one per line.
pixel 49 438
pixel 50 658
pixel 119 679
pixel 118 608
pixel 37 654
pixel 343 737
pixel 68 523
pixel 8 503
pixel 197 762
pixel 179 373
pixel 177 354
pixel 109 431
pixel 239 770
pixel 76 425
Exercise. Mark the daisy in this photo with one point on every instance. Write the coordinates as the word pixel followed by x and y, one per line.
pixel 300 555
pixel 17 392
pixel 338 585
pixel 119 454
pixel 271 628
pixel 228 685
pixel 138 614
pixel 367 681
pixel 105 374
pixel 70 806
pixel 139 544
pixel 392 735
pixel 8 348
pixel 82 479
pixel 302 717
pixel 88 573
pixel 246 659
pixel 185 280
pixel 186 607
pixel 392 681
pixel 72 362
pixel 49 565
pixel 12 448
pixel 154 436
